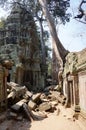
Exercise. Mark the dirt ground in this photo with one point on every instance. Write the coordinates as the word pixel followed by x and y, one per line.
pixel 55 121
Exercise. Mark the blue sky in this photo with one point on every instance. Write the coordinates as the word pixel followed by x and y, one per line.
pixel 73 34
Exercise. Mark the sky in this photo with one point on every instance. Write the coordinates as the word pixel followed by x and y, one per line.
pixel 73 34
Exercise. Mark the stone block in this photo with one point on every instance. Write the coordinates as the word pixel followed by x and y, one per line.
pixel 45 106
pixel 31 105
pixel 16 107
pixel 36 97
pixel 12 115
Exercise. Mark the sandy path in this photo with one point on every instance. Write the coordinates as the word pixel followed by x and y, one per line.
pixel 63 121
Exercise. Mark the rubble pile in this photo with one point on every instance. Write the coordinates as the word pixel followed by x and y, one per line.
pixel 33 106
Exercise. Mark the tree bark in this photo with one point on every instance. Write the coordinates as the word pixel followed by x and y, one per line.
pixel 59 52
pixel 42 41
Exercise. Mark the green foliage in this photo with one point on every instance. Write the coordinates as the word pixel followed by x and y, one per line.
pixel 2 23
pixel 58 9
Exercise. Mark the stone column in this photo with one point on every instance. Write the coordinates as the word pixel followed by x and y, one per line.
pixel 3 87
pixel 76 93
pixel 19 74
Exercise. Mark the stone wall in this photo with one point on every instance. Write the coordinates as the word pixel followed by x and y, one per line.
pixel 82 79
pixel 74 79
pixel 82 90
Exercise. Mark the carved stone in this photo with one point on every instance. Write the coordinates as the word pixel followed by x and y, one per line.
pixel 21 45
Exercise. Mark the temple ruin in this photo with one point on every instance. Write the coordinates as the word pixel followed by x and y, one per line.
pixel 74 81
pixel 19 42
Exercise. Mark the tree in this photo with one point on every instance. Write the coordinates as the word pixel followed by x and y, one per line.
pixel 59 51
pixel 40 20
pixel 56 9
pixel 82 13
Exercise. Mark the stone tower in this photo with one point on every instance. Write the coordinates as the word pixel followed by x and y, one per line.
pixel 22 45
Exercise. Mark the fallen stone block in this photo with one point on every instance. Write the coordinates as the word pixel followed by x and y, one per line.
pixel 55 93
pixel 51 97
pixel 31 105
pixel 54 103
pixel 11 95
pixel 40 115
pixel 45 106
pixel 36 97
pixel 45 100
pixel 20 91
pixel 58 111
pixel 17 92
pixel 56 88
pixel 26 111
pixel 49 88
pixel 19 118
pixel 16 107
pixel 11 85
pixel 2 118
pixel 43 96
pixel 30 115
pixel 61 100
pixel 28 95
pixel 12 115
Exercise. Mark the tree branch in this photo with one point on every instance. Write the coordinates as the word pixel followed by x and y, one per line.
pixel 82 12
pixel 80 21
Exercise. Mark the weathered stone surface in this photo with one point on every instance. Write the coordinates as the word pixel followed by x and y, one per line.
pixel 3 88
pixel 31 105
pixel 20 33
pixel 77 108
pixel 28 94
pixel 12 85
pixel 11 95
pixel 20 91
pixel 27 111
pixel 53 96
pixel 29 114
pixel 13 115
pixel 58 111
pixel 16 90
pixel 71 63
pixel 19 118
pixel 36 97
pixel 56 88
pixel 18 105
pixel 2 118
pixel 74 79
pixel 43 96
pixel 45 106
pixel 49 88
pixel 40 115
pixel 54 103
pixel 55 93
pixel 82 59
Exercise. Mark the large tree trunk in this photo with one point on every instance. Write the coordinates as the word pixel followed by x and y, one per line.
pixel 42 41
pixel 59 51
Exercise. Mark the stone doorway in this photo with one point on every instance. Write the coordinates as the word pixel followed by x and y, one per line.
pixel 9 75
pixel 8 78
pixel 70 93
